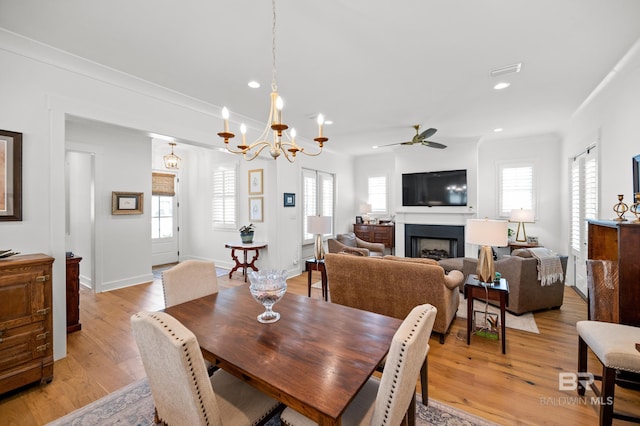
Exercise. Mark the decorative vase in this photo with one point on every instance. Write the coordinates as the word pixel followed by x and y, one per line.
pixel 247 237
pixel 268 287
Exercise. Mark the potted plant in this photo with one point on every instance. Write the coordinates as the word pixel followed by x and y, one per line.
pixel 246 233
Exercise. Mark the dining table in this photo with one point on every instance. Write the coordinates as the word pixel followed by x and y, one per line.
pixel 314 359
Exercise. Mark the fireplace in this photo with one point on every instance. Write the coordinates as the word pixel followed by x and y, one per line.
pixel 434 241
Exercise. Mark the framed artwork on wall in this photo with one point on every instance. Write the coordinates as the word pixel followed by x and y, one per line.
pixel 289 199
pixel 10 176
pixel 255 182
pixel 127 202
pixel 256 209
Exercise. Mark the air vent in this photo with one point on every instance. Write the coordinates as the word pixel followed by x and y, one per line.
pixel 509 69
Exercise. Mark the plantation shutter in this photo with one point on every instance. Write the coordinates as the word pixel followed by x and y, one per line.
pixel 516 188
pixel 377 189
pixel 224 198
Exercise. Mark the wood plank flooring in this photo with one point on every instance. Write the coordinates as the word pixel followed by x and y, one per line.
pixel 520 387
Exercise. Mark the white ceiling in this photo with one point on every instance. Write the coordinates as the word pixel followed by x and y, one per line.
pixel 373 67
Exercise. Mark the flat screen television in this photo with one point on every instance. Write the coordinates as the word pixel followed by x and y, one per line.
pixel 446 188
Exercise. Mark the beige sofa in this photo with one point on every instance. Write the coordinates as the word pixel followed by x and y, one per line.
pixel 393 285
pixel 526 294
pixel 351 244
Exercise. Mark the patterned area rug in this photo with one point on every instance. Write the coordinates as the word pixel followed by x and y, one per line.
pixel 133 405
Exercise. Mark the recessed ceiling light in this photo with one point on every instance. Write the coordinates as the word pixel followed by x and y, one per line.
pixel 328 122
pixel 502 85
pixel 498 130
pixel 375 147
pixel 254 84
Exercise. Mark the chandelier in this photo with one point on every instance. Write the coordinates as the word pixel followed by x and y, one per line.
pixel 172 161
pixel 282 141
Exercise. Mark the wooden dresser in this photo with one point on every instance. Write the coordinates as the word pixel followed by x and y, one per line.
pixel 26 326
pixel 385 234
pixel 73 294
pixel 620 242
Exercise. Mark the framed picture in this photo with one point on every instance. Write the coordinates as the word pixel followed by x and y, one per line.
pixel 255 209
pixel 532 240
pixel 10 176
pixel 289 199
pixel 127 202
pixel 359 220
pixel 255 182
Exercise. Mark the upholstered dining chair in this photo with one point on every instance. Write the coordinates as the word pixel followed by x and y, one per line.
pixel 182 391
pixel 189 280
pixel 388 401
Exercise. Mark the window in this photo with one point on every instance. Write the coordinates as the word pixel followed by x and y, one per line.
pixel 161 216
pixel 162 204
pixel 377 189
pixel 224 197
pixel 517 188
pixel 317 196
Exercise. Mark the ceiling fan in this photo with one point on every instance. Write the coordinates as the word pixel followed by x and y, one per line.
pixel 421 138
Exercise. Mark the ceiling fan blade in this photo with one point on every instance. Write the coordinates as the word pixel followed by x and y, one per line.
pixel 433 144
pixel 398 143
pixel 427 133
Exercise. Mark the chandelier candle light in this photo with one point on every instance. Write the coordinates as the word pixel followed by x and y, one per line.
pixel 282 142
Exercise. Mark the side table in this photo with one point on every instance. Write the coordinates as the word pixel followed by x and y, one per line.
pixel 474 289
pixel 255 246
pixel 317 265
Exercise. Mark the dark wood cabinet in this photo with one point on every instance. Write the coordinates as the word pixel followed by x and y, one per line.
pixel 385 234
pixel 73 294
pixel 620 242
pixel 26 326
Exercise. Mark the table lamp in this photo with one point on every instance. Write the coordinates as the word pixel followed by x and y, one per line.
pixel 318 225
pixel 521 216
pixel 365 209
pixel 486 233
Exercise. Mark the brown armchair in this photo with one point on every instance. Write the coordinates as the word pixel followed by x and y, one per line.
pixel 351 244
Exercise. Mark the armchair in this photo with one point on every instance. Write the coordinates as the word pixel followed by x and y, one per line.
pixel 351 244
pixel 526 293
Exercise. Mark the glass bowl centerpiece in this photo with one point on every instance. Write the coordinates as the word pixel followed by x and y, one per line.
pixel 268 287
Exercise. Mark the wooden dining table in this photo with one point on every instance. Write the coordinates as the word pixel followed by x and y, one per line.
pixel 314 359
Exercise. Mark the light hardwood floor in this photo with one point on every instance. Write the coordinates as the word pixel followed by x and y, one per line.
pixel 520 387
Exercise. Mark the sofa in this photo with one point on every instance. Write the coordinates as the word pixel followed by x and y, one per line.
pixel 526 293
pixel 392 286
pixel 351 244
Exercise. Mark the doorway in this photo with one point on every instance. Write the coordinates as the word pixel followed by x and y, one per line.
pixel 164 219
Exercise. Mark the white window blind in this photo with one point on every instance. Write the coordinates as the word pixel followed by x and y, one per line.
pixel 517 188
pixel 318 198
pixel 584 196
pixel 377 189
pixel 224 197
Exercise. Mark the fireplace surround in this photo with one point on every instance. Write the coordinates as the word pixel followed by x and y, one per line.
pixel 414 233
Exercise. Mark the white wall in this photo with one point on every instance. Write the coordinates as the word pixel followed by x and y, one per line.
pixel 42 88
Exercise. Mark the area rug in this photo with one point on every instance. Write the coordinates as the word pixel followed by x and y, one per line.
pixel 157 273
pixel 133 405
pixel 524 322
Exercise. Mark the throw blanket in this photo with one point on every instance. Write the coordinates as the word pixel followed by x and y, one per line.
pixel 549 266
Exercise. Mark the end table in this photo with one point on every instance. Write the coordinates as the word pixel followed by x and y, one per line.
pixel 474 289
pixel 317 265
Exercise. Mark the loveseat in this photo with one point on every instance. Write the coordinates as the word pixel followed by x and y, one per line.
pixel 349 243
pixel 393 285
pixel 526 294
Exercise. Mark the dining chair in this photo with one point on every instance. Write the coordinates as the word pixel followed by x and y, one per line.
pixel 388 400
pixel 182 391
pixel 189 280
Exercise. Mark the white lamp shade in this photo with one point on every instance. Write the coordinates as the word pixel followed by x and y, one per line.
pixel 365 208
pixel 485 232
pixel 318 224
pixel 522 215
